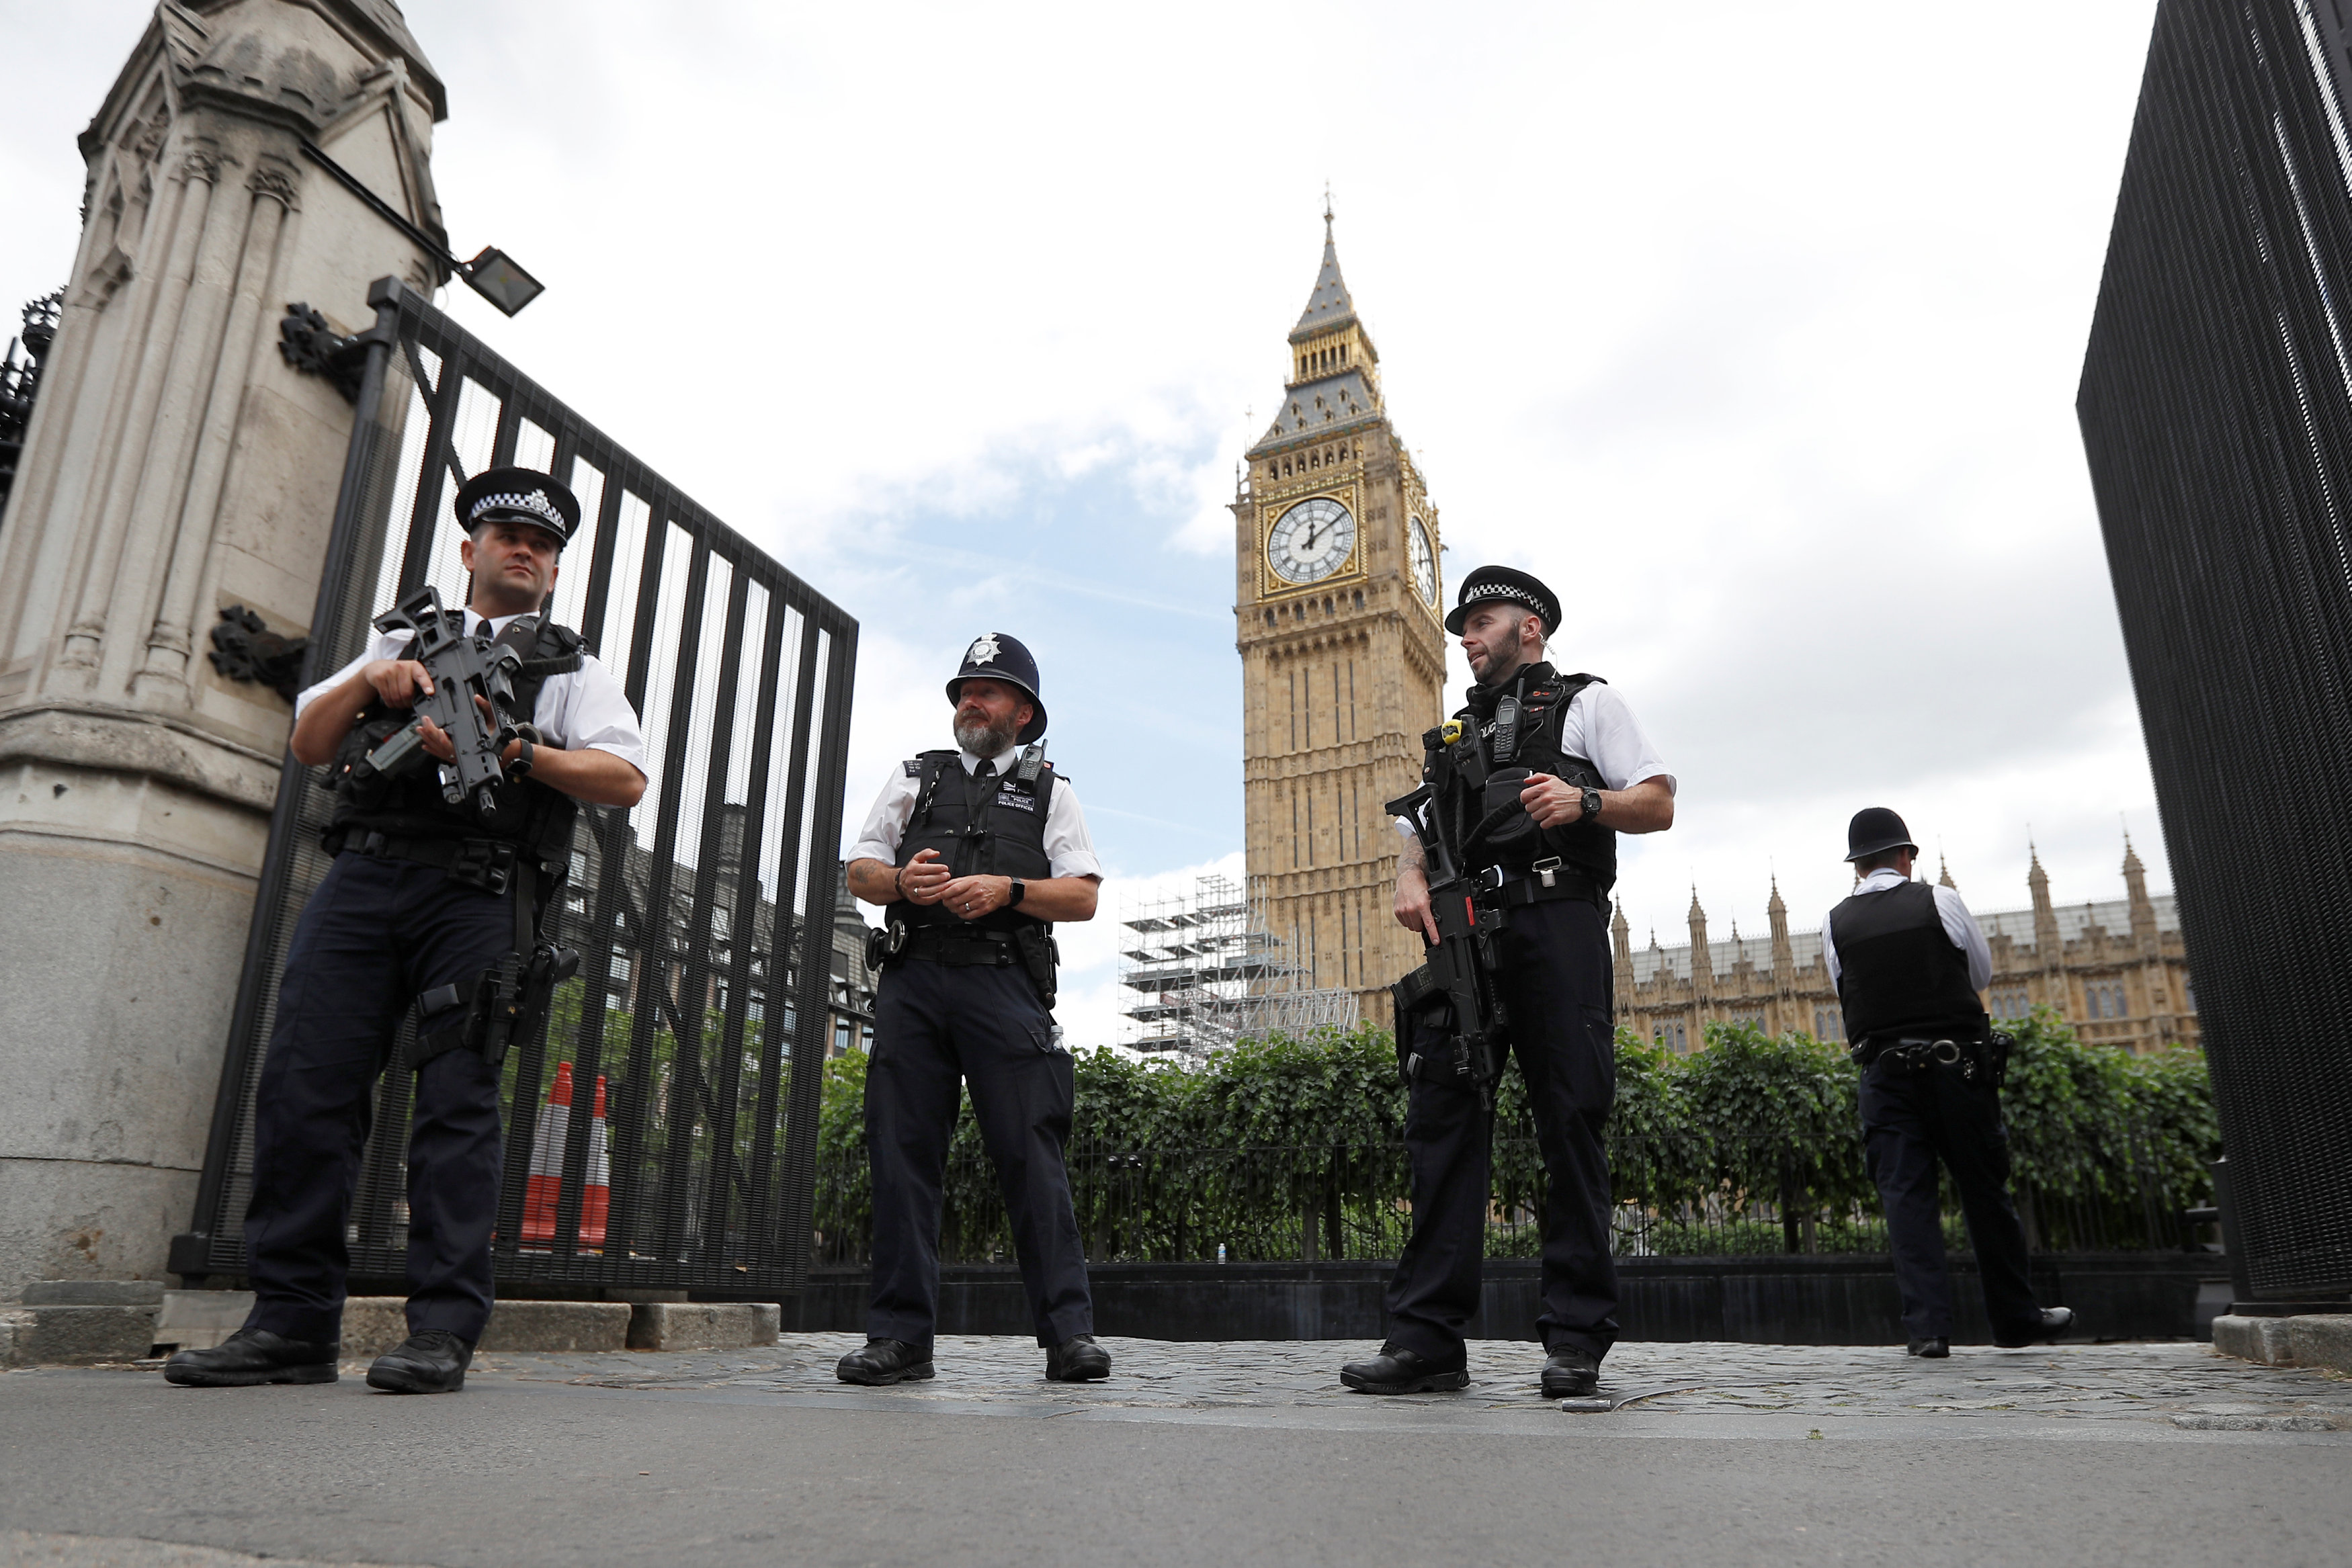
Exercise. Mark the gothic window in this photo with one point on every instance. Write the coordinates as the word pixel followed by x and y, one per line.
pixel 1359 604
pixel 1269 617
pixel 1829 1023
pixel 2011 1002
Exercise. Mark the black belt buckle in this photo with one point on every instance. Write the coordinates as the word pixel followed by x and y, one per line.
pixel 485 863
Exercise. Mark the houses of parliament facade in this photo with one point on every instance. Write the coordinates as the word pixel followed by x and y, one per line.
pixel 2117 971
pixel 1339 596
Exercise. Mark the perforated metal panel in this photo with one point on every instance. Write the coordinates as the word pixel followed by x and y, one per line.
pixel 2216 407
pixel 704 915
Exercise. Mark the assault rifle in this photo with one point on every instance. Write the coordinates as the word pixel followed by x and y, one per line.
pixel 462 668
pixel 1461 963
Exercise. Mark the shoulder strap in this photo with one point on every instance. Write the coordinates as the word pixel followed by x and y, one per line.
pixel 928 768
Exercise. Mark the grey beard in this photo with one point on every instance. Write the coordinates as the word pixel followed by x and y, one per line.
pixel 982 740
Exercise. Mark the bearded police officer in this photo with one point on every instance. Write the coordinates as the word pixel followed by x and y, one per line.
pixel 424 900
pixel 976 852
pixel 1542 848
pixel 1908 962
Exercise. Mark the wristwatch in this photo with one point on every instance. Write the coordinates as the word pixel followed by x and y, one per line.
pixel 521 764
pixel 1592 806
pixel 1020 891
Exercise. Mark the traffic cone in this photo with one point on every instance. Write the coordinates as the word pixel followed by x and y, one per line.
pixel 596 1192
pixel 544 1186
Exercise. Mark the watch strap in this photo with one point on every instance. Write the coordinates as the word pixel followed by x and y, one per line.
pixel 1020 891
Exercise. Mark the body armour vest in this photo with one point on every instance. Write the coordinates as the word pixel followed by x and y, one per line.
pixel 1542 694
pixel 531 815
pixel 1898 971
pixel 993 827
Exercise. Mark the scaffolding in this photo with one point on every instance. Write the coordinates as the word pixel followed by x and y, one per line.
pixel 1210 972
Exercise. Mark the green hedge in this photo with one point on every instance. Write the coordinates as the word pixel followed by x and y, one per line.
pixel 1751 1117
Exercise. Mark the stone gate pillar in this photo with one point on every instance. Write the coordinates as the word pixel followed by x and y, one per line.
pixel 175 466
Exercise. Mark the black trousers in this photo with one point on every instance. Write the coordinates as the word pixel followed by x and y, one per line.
pixel 1909 1122
pixel 376 935
pixel 937 1028
pixel 1556 982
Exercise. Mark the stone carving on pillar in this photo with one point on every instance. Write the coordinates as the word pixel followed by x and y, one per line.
pixel 174 471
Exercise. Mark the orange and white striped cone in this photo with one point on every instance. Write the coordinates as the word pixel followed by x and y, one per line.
pixel 544 1188
pixel 596 1192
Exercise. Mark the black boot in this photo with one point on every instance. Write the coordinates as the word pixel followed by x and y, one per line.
pixel 1935 1347
pixel 1078 1359
pixel 251 1357
pixel 2040 1329
pixel 883 1362
pixel 433 1362
pixel 1395 1371
pixel 1569 1374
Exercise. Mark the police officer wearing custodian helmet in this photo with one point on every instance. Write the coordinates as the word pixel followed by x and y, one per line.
pixel 1591 776
pixel 423 900
pixel 976 852
pixel 1908 959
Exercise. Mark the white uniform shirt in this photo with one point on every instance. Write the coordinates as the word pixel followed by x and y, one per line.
pixel 1069 852
pixel 584 710
pixel 1600 726
pixel 1958 924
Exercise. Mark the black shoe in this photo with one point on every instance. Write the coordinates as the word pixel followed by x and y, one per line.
pixel 1078 1359
pixel 2044 1327
pixel 1935 1347
pixel 251 1357
pixel 883 1362
pixel 1571 1374
pixel 1395 1371
pixel 433 1362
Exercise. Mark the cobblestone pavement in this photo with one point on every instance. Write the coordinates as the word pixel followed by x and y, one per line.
pixel 2188 1386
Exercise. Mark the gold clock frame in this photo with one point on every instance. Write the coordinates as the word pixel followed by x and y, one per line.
pixel 1271 587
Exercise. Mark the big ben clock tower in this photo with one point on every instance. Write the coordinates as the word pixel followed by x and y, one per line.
pixel 1343 653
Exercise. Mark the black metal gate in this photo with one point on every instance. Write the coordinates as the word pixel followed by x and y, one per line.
pixel 704 916
pixel 2216 407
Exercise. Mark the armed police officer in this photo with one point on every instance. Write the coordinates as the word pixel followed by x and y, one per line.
pixel 426 903
pixel 1908 961
pixel 1518 821
pixel 976 852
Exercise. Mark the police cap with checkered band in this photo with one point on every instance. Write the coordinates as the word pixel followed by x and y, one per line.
pixel 518 496
pixel 995 656
pixel 1500 584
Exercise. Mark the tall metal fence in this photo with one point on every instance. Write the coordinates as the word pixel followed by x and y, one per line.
pixel 2216 407
pixel 695 1035
pixel 1677 1196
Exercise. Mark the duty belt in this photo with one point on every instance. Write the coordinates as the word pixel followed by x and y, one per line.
pixel 485 863
pixel 1545 881
pixel 961 945
pixel 1913 1053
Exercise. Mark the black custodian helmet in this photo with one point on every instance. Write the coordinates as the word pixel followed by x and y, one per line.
pixel 995 656
pixel 1874 831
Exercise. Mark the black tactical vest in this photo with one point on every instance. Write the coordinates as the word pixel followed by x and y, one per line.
pixel 994 827
pixel 1543 695
pixel 1899 974
pixel 531 815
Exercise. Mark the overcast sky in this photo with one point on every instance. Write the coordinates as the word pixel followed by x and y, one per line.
pixel 1754 330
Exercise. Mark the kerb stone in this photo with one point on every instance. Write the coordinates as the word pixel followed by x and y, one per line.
pixel 2321 1341
pixel 704 1325
pixel 80 1335
pixel 94 1293
pixel 374 1324
pixel 2262 1340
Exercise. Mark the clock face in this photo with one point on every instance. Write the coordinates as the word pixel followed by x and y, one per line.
pixel 1423 559
pixel 1311 540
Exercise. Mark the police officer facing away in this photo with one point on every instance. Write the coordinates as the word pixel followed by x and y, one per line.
pixel 976 852
pixel 421 899
pixel 1909 960
pixel 1593 775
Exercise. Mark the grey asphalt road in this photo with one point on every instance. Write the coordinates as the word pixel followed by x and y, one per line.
pixel 96 1465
